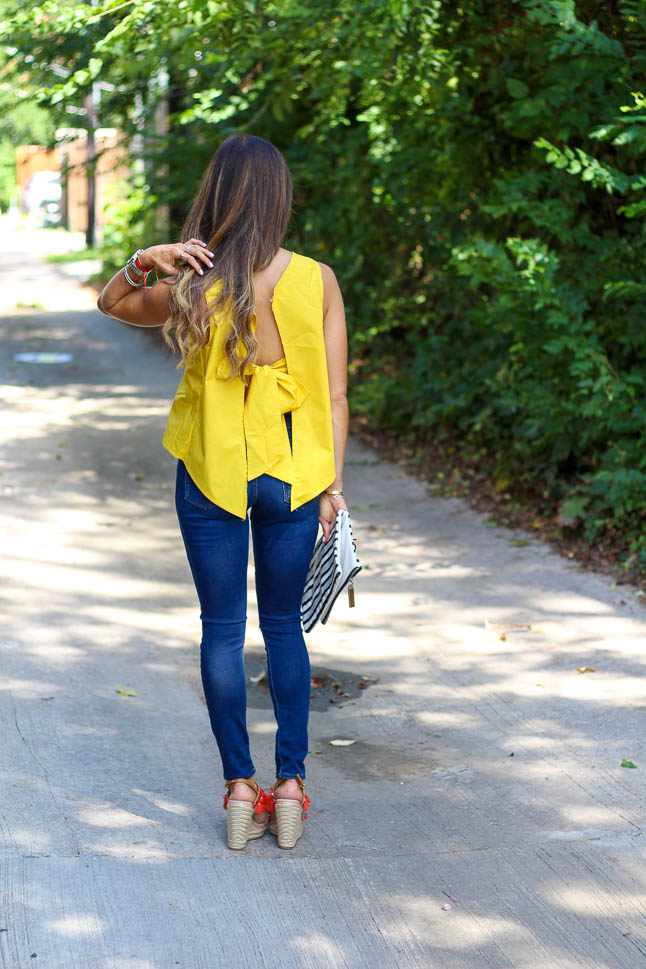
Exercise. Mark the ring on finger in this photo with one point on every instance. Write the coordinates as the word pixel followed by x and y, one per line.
pixel 185 254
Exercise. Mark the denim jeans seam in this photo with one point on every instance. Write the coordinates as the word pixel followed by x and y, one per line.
pixel 270 681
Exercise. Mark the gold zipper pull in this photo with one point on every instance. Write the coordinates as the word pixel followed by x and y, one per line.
pixel 350 594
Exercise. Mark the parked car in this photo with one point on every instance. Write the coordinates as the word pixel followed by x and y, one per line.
pixel 41 198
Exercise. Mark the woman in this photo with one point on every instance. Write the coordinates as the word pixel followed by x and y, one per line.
pixel 259 423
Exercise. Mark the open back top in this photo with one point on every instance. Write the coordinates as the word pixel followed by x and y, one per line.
pixel 227 437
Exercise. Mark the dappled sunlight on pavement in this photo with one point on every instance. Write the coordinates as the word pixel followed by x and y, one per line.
pixel 479 818
pixel 28 282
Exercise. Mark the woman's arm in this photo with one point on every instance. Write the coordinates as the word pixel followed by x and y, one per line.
pixel 149 307
pixel 336 350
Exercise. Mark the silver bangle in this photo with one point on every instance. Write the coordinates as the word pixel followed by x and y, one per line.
pixel 136 283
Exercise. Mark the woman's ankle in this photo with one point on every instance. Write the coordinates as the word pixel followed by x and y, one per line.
pixel 242 792
pixel 288 787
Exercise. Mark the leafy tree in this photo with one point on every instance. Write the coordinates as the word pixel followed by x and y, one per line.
pixel 22 121
pixel 473 173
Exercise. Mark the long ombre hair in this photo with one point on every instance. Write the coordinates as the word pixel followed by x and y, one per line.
pixel 241 212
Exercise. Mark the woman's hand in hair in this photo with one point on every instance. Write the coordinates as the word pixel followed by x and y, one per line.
pixel 163 259
pixel 328 507
pixel 149 306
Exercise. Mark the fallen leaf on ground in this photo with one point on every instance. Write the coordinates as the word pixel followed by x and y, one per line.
pixel 341 743
pixel 320 681
pixel 627 763
pixel 125 691
pixel 503 628
pixel 585 669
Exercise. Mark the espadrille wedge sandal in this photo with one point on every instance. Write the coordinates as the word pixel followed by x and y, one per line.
pixel 289 814
pixel 241 826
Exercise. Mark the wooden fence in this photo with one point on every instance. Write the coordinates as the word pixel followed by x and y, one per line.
pixel 70 157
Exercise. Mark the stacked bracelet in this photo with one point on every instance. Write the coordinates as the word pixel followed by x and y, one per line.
pixel 136 283
pixel 333 494
pixel 134 266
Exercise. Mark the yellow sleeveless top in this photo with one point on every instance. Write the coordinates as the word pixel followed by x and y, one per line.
pixel 226 437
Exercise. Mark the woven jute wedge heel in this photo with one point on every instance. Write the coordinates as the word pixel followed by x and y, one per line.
pixel 241 826
pixel 289 815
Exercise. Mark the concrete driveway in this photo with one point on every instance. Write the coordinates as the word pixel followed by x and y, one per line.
pixel 481 819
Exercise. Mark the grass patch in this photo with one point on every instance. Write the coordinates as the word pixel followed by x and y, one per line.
pixel 78 256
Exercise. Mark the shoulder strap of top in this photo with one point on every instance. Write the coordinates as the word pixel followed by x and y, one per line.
pixel 307 274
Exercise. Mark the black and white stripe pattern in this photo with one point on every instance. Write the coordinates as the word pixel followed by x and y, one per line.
pixel 334 563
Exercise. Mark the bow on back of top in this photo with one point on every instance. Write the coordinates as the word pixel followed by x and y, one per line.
pixel 271 392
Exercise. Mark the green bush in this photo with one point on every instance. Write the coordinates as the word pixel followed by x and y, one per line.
pixel 7 173
pixel 474 174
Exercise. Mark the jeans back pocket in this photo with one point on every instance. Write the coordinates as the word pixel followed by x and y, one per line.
pixel 193 494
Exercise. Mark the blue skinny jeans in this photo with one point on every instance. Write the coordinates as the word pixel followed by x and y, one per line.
pixel 217 546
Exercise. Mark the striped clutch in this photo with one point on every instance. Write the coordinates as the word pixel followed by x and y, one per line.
pixel 333 566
